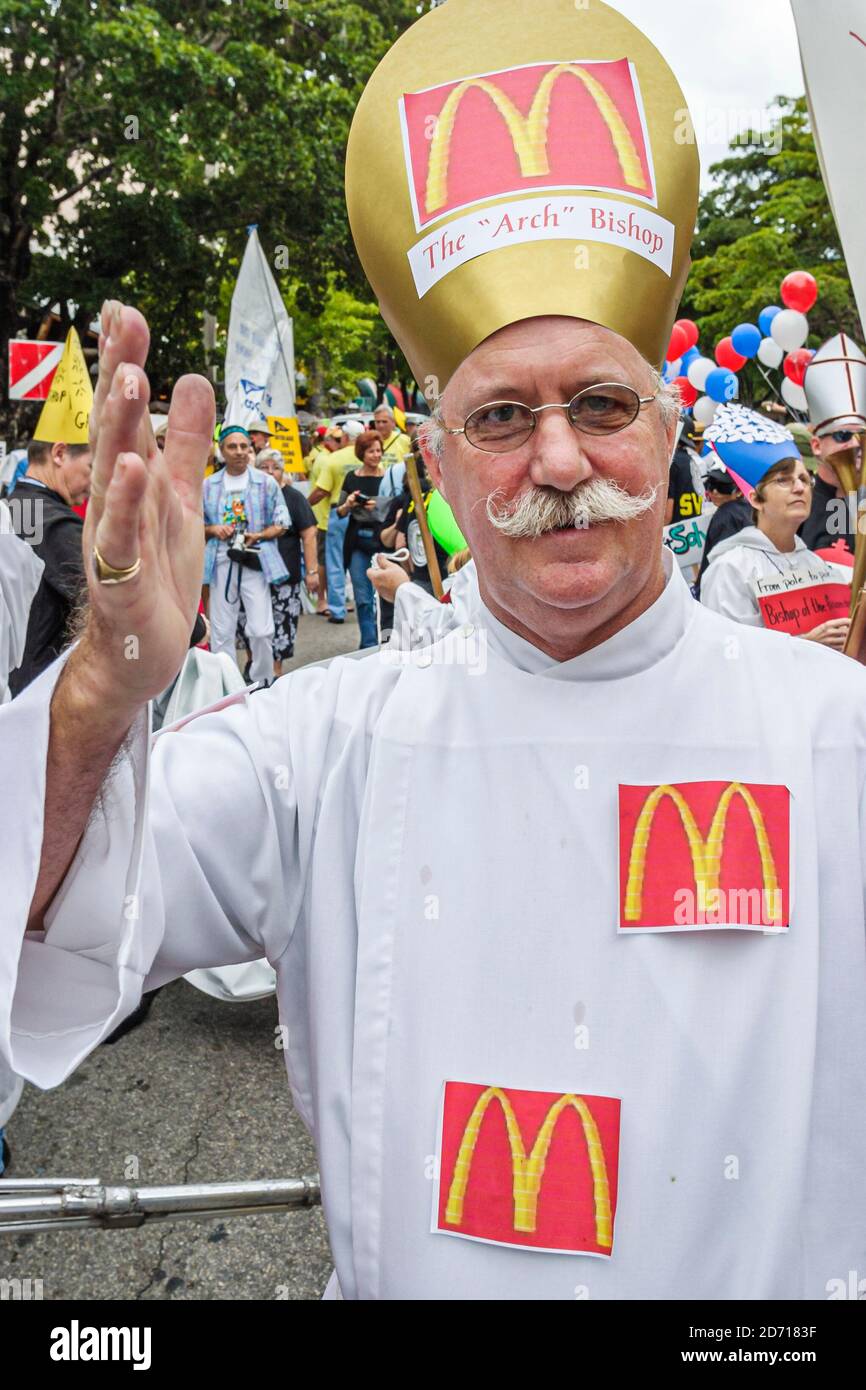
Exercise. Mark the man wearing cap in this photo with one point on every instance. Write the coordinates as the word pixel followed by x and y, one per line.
pixel 320 448
pixel 260 437
pixel 831 517
pixel 56 481
pixel 574 994
pixel 325 495
pixel 244 514
pixel 835 386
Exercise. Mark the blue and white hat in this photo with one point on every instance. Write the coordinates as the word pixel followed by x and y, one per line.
pixel 747 443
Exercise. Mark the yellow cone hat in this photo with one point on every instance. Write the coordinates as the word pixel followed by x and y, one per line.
pixel 66 412
pixel 510 159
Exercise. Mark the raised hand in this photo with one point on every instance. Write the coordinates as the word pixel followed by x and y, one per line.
pixel 144 505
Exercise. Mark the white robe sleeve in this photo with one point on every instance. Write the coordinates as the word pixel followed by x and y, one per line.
pixel 419 618
pixel 195 856
pixel 726 589
pixel 20 573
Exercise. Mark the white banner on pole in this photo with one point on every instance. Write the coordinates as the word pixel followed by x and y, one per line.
pixel 832 35
pixel 260 356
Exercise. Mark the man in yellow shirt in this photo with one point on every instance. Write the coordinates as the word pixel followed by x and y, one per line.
pixel 328 439
pixel 324 496
pixel 395 444
pixel 317 451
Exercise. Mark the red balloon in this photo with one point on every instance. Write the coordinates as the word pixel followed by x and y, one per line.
pixel 688 393
pixel 795 364
pixel 799 290
pixel 678 343
pixel 727 356
pixel 690 328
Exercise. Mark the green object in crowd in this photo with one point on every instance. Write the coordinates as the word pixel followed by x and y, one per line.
pixel 443 526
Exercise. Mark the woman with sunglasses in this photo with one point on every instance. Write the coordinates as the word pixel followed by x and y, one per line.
pixel 770 547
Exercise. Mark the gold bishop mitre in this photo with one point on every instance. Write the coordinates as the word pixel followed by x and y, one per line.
pixel 509 159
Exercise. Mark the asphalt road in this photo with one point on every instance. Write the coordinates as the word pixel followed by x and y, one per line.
pixel 197 1092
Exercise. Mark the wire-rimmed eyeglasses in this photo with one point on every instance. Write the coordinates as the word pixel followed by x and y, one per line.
pixel 500 426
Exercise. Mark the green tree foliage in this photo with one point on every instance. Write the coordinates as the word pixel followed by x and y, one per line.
pixel 767 214
pixel 138 138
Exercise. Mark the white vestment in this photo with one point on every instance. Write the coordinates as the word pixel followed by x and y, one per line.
pixel 20 574
pixel 420 619
pixel 427 854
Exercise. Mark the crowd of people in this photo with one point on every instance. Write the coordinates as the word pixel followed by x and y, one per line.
pixel 274 540
pixel 792 517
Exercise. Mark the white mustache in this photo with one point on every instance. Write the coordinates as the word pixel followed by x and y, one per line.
pixel 545 509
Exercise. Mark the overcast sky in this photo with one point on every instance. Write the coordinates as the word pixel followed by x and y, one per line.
pixel 728 55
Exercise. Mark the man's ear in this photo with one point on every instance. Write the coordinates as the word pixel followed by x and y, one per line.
pixel 58 454
pixel 671 431
pixel 431 462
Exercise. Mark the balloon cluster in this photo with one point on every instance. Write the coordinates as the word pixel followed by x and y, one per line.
pixel 776 340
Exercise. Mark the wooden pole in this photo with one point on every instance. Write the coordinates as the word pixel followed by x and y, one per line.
pixel 857 631
pixel 846 469
pixel 848 477
pixel 852 483
pixel 421 514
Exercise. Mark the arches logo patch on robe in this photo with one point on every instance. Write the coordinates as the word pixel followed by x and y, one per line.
pixel 534 1169
pixel 703 855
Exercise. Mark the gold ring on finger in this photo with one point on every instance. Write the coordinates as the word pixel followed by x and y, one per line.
pixel 107 574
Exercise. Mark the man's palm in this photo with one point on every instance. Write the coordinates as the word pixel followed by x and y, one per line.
pixel 144 504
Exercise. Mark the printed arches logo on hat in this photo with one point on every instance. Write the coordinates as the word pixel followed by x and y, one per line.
pixel 469 140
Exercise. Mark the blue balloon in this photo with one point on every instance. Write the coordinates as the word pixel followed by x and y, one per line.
pixel 722 385
pixel 765 318
pixel 746 339
pixel 687 359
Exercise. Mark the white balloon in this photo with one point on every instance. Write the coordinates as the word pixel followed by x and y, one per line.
pixel 770 353
pixel 789 329
pixel 794 395
pixel 674 368
pixel 699 370
pixel 704 409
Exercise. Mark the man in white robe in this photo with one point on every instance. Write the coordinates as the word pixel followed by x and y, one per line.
pixel 544 1049
pixel 20 573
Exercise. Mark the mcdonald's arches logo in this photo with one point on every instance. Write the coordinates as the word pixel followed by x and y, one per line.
pixel 528 1168
pixel 703 855
pixel 564 125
